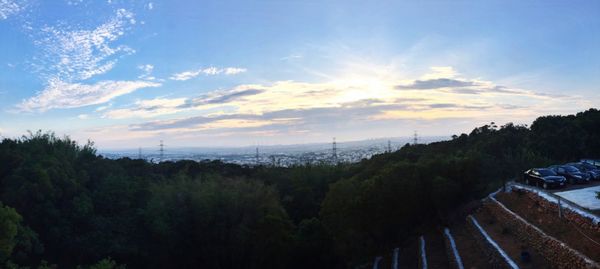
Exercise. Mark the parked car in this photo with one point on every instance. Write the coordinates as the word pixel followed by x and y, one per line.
pixel 592 162
pixel 572 174
pixel 544 177
pixel 590 169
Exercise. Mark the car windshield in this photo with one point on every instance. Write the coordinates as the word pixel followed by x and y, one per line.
pixel 588 166
pixel 578 166
pixel 570 169
pixel 546 172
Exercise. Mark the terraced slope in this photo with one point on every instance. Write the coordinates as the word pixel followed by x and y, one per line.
pixel 509 242
pixel 579 238
pixel 470 252
pixel 436 250
pixel 520 226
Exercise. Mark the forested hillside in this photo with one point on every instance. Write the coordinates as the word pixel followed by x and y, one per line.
pixel 63 206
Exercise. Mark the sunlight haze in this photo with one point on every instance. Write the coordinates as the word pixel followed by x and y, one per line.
pixel 127 74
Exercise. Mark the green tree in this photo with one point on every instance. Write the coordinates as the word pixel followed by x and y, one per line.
pixel 9 225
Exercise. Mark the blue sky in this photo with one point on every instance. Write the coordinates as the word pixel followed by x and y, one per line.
pixel 229 73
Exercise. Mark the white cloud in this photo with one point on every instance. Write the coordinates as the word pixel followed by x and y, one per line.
pixel 146 68
pixel 163 106
pixel 291 57
pixel 147 71
pixel 150 6
pixel 147 108
pixel 446 94
pixel 59 94
pixel 70 55
pixel 9 8
pixel 83 116
pixel 185 75
pixel 102 108
pixel 210 71
pixel 74 2
pixel 362 105
pixel 438 72
pixel 234 70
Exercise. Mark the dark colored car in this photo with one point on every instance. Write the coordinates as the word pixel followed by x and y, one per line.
pixel 572 174
pixel 592 162
pixel 590 169
pixel 544 177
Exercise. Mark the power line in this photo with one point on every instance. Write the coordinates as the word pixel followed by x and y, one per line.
pixel 389 148
pixel 140 153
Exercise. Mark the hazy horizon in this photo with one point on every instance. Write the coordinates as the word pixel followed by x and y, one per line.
pixel 382 141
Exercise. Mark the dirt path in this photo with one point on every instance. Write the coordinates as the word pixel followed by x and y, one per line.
pixel 508 241
pixel 576 237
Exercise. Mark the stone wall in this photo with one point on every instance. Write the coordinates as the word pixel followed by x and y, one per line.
pixel 574 217
pixel 557 253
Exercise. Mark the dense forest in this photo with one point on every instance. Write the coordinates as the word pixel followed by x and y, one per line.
pixel 64 206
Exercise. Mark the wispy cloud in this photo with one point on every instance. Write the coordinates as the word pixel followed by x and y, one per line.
pixel 147 108
pixel 288 105
pixel 221 97
pixel 256 99
pixel 74 2
pixel 467 86
pixel 69 55
pixel 314 118
pixel 291 57
pixel 78 54
pixel 210 71
pixel 164 106
pixel 102 108
pixel 9 8
pixel 436 84
pixel 146 71
pixel 59 94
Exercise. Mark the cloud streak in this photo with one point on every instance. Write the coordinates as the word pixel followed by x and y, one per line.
pixel 147 108
pixel 436 96
pixel 146 71
pixel 59 94
pixel 358 104
pixel 163 106
pixel 436 84
pixel 210 71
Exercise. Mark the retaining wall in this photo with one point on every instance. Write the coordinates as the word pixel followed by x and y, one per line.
pixel 556 252
pixel 576 218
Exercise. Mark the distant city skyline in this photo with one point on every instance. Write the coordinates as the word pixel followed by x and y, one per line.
pixel 128 74
pixel 279 155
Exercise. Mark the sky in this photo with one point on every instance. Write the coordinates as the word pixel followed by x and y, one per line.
pixel 126 74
